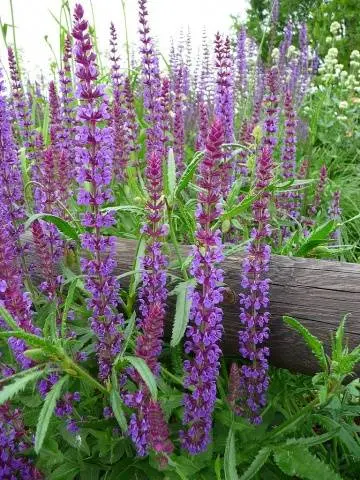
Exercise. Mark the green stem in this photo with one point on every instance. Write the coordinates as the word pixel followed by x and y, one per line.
pixel 175 243
pixel 180 382
pixel 98 56
pixel 84 374
pixel 127 46
pixel 14 38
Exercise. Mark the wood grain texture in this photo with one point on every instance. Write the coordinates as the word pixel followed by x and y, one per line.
pixel 316 292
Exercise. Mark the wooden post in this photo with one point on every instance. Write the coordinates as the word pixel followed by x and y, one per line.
pixel 316 292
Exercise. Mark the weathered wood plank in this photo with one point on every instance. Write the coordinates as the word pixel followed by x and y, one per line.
pixel 317 292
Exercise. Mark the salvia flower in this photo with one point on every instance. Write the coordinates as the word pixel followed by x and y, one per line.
pixel 13 464
pixel 11 187
pixel 12 296
pixel 205 329
pixel 21 106
pixel 224 104
pixel 254 300
pixel 203 125
pixel 179 120
pixel 335 214
pixel 241 60
pixel 152 298
pixel 165 105
pixel 288 158
pixel 94 156
pixel 151 81
pixel 271 101
pixel 319 192
pixel 49 250
pixel 121 149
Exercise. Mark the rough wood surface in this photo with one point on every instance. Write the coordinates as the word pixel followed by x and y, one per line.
pixel 316 292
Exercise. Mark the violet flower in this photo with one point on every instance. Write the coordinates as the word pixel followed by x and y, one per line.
pixel 11 188
pixel 22 110
pixel 203 125
pixel 95 167
pixel 13 442
pixel 319 191
pixel 335 214
pixel 287 200
pixel 151 82
pixel 165 104
pixel 131 122
pixel 67 116
pixel 271 101
pixel 224 107
pixel 121 149
pixel 179 120
pixel 152 298
pixel 205 328
pixel 254 301
pixel 49 248
pixel 12 296
pixel 241 61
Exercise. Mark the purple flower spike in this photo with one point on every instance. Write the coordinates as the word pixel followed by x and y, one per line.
pixel 151 82
pixel 272 111
pixel 179 121
pixel 13 441
pixel 120 133
pixel 203 126
pixel 318 197
pixel 241 61
pixel 224 103
pixel 152 297
pixel 287 200
pixel 94 156
pixel 22 109
pixel 49 250
pixel 254 301
pixel 153 292
pixel 11 188
pixel 159 432
pixel 335 214
pixel 12 296
pixel 205 329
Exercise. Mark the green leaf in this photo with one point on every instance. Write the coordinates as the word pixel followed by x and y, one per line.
pixel 258 462
pixel 188 174
pixel 18 385
pixel 230 457
pixel 49 329
pixel 171 173
pixel 338 343
pixel 67 305
pixel 140 252
pixel 64 226
pixel 45 126
pixel 7 317
pixel 145 373
pixel 183 306
pixel 315 440
pixel 237 209
pixel 66 471
pixel 312 342
pixel 125 208
pixel 116 405
pixel 46 413
pixel 31 340
pixel 319 236
pixel 298 461
pixel 25 176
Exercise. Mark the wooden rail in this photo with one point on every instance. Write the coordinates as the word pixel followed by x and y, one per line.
pixel 316 292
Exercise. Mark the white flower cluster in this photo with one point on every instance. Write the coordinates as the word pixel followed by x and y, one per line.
pixel 335 28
